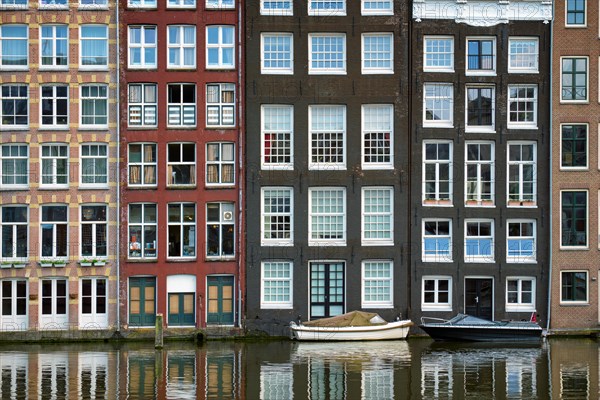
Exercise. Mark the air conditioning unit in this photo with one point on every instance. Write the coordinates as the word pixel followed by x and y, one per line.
pixel 227 216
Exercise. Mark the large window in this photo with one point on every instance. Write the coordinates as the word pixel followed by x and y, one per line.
pixel 377 216
pixel 55 166
pixel 327 137
pixel 142 164
pixel 220 105
pixel 14 45
pixel 182 230
pixel 437 172
pixel 575 11
pixel 14 167
pixel 438 53
pixel 142 105
pixel 481 55
pixel 220 47
pixel 142 231
pixel 277 279
pixel 94 165
pixel 220 163
pixel 479 171
pixel 523 54
pixel 94 231
pixel 438 105
pixel 436 293
pixel 574 287
pixel 479 241
pixel 277 126
pixel 181 46
pixel 93 47
pixel 15 228
pixel 480 112
pixel 54 228
pixel 377 7
pixel 574 79
pixel 276 7
pixel 573 218
pixel 54 106
pixel 220 230
pixel 277 53
pixel 521 243
pixel 378 134
pixel 181 164
pixel 437 240
pixel 522 106
pixel 277 216
pixel 54 304
pixel 377 53
pixel 574 146
pixel 327 216
pixel 15 106
pixel 522 173
pixel 326 53
pixel 520 294
pixel 327 7
pixel 142 46
pixel 94 106
pixel 54 46
pixel 377 284
pixel 181 105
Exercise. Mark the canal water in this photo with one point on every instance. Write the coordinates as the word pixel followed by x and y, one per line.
pixel 413 369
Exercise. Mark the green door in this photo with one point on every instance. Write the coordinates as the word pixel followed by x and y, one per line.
pixel 181 309
pixel 220 300
pixel 142 304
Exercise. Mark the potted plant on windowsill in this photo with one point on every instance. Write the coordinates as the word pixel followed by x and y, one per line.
pixel 6 264
pixel 19 264
pixel 57 263
pixel 92 262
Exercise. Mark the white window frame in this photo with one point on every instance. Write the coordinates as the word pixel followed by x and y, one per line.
pixel 54 224
pixel 219 4
pixel 479 199
pixel 522 200
pixel 587 221
pixel 181 107
pixel 94 67
pixel 442 93
pixel 93 5
pixel 219 163
pixel 519 305
pixel 9 67
pixel 142 243
pixel 521 101
pixel 53 4
pixel 14 98
pixel 449 68
pixel 479 258
pixel 149 4
pixel 18 322
pixel 486 72
pixel 571 26
pixel 182 224
pixel 94 225
pixel 142 164
pixel 142 46
pixel 480 128
pixel 533 69
pixel 192 165
pixel 53 321
pixel 94 319
pixel 53 40
pixel 521 259
pixel 377 123
pixel 283 282
pixel 328 12
pixel 221 105
pixel 14 225
pixel 378 281
pixel 274 126
pixel 226 218
pixel 144 106
pixel 278 211
pixel 14 5
pixel 220 46
pixel 94 158
pixel 436 305
pixel 53 165
pixel 441 255
pixel 587 287
pixel 279 36
pixel 587 147
pixel 587 81
pixel 14 161
pixel 437 162
pixel 380 11
pixel 91 97
pixel 180 4
pixel 54 99
pixel 180 47
pixel 313 217
pixel 277 11
pixel 327 70
pixel 377 215
pixel 377 70
pixel 314 136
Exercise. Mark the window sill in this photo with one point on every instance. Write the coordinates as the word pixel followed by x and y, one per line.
pixel 574 248
pixel 82 187
pixel 218 8
pixel 441 70
pixel 54 128
pixel 437 203
pixel 438 125
pixel 220 68
pixel 140 187
pixel 377 72
pixel 575 26
pixel 326 244
pixel 524 71
pixel 325 72
pixel 54 7
pixel 276 244
pixel 438 260
pixel 377 306
pixel 327 13
pixel 182 127
pixel 527 204
pixel 276 307
pixel 103 68
pixel 57 187
pixel 272 72
pixel 430 307
pixel 54 68
pixel 13 188
pixel 574 101
pixel 480 261
pixel 282 167
pixel 181 8
pixel 143 260
pixel 220 127
pixel 574 304
pixel 10 69
pixel 7 7
pixel 142 127
pixel 376 167
pixel 181 187
pixel 92 128
pixel 516 260
pixel 93 7
pixel 142 67
pixel 483 129
pixel 574 169
pixel 181 260
pixel 220 258
pixel 278 13
pixel 376 244
pixel 14 128
pixel 134 7
pixel 520 309
pixel 480 73
pixel 191 68
pixel 221 186
pixel 522 127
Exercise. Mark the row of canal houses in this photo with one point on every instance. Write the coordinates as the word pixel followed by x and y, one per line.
pixel 243 164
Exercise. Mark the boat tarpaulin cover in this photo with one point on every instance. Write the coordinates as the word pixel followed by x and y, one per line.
pixel 353 318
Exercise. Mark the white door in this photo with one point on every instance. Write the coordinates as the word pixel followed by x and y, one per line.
pixel 54 304
pixel 93 312
pixel 14 305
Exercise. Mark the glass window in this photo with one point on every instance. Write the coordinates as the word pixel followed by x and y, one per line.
pixel 327 216
pixel 14 44
pixel 93 46
pixel 327 53
pixel 54 106
pixel 377 53
pixel 276 284
pixel 481 55
pixel 12 4
pixel 142 164
pixel 479 171
pixel 181 3
pixel 15 106
pixel 182 230
pixel 181 164
pixel 522 106
pixel 94 231
pixel 377 284
pixel 220 230
pixel 142 231
pixel 142 105
pixel 277 132
pixel 94 165
pixel 181 104
pixel 438 54
pixel 277 216
pixel 437 293
pixel 220 104
pixel 94 106
pixel 523 54
pixel 327 137
pixel 54 229
pixel 480 108
pixel 377 216
pixel 573 146
pixel 521 241
pixel 15 166
pixel 377 7
pixel 277 53
pixel 141 3
pixel 54 42
pixel 438 105
pixel 574 286
pixel 327 7
pixel 182 46
pixel 276 7
pixel 55 166
pixel 522 173
pixel 220 4
pixel 220 164
pixel 520 294
pixel 378 135
pixel 15 230
pixel 437 240
pixel 54 301
pixel 220 47
pixel 573 222
pixel 60 4
pixel 574 79
pixel 142 46
pixel 437 173
pixel 479 241
pixel 575 10
pixel 93 4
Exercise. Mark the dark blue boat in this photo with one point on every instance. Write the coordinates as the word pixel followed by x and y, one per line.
pixel 472 329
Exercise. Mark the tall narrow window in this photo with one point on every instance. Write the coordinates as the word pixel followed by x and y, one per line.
pixel 94 165
pixel 277 127
pixel 220 105
pixel 142 164
pixel 481 55
pixel 574 146
pixel 14 47
pixel 479 171
pixel 142 105
pixel 277 53
pixel 181 164
pixel 94 106
pixel 94 231
pixel 576 13
pixel 573 219
pixel 326 53
pixel 378 134
pixel 220 230
pixel 327 216
pixel 55 166
pixel 327 126
pixel 54 46
pixel 15 166
pixel 522 106
pixel 437 173
pixel 377 284
pixel 54 229
pixel 377 53
pixel 181 105
pixel 574 79
pixel 55 106
pixel 220 46
pixel 142 46
pixel 438 105
pixel 93 46
pixel 142 231
pixel 481 101
pixel 277 216
pixel 276 284
pixel 15 228
pixel 182 230
pixel 181 46
pixel 437 240
pixel 220 164
pixel 522 174
pixel 479 241
pixel 521 241
pixel 15 106
pixel 377 216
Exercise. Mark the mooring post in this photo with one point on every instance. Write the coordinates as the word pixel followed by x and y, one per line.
pixel 158 332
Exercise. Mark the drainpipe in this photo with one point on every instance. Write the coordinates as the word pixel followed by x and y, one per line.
pixel 551 175
pixel 240 140
pixel 118 182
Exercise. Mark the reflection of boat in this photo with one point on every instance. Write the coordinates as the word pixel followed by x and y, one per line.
pixel 468 328
pixel 355 325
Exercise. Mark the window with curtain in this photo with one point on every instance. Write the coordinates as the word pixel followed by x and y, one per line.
pixel 181 45
pixel 94 165
pixel 142 46
pixel 93 48
pixel 14 53
pixel 142 105
pixel 142 164
pixel 220 163
pixel 220 47
pixel 55 165
pixel 94 106
pixel 54 44
pixel 220 104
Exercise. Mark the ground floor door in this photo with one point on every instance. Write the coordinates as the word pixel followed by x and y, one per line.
pixel 14 305
pixel 181 309
pixel 142 301
pixel 220 300
pixel 479 295
pixel 326 289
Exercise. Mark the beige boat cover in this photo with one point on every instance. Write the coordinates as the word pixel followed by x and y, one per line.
pixel 353 318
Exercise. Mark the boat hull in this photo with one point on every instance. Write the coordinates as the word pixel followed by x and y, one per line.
pixel 483 334
pixel 389 331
